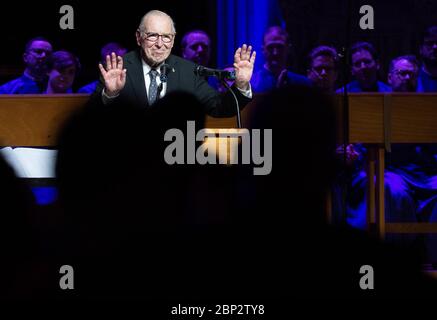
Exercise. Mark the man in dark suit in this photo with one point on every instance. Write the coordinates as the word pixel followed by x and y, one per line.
pixel 136 78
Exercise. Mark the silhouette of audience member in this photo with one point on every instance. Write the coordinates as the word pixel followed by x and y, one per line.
pixel 34 78
pixel 274 72
pixel 427 81
pixel 63 67
pixel 323 68
pixel 16 235
pixel 106 50
pixel 128 204
pixel 365 68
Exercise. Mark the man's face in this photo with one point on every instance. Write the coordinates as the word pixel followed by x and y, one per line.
pixel 62 80
pixel 403 78
pixel 323 72
pixel 364 67
pixel 156 39
pixel 36 57
pixel 275 50
pixel 428 51
pixel 197 48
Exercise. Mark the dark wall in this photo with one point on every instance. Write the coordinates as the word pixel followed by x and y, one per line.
pixel 398 24
pixel 96 23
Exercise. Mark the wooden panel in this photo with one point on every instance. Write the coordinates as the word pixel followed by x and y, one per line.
pixel 414 118
pixel 366 118
pixel 419 227
pixel 35 120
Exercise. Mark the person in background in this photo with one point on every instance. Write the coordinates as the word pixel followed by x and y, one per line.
pixel 63 68
pixel 275 72
pixel 196 47
pixel 403 73
pixel 106 50
pixel 323 68
pixel 365 68
pixel 427 81
pixel 34 79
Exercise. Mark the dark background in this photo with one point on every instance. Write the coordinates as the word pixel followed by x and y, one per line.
pixel 398 25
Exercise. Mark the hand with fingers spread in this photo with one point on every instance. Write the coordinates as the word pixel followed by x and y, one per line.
pixel 114 74
pixel 244 60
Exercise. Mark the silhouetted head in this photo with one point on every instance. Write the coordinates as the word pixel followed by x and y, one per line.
pixel 303 129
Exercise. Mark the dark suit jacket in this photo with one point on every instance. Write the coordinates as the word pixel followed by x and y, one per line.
pixel 183 79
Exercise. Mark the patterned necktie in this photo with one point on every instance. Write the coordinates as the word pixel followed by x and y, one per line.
pixel 153 87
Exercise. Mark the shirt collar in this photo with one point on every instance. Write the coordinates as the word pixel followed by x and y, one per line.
pixel 147 68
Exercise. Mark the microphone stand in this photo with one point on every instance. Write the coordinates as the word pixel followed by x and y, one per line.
pixel 223 81
pixel 345 67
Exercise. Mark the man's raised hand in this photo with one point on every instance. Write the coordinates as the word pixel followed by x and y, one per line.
pixel 244 60
pixel 114 74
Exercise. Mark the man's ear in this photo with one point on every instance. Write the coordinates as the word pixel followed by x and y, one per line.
pixel 138 37
pixel 389 79
pixel 25 57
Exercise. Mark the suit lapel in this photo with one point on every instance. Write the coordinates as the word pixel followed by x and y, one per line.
pixel 136 77
pixel 172 76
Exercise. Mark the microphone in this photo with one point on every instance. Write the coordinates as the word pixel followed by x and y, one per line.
pixel 164 71
pixel 221 74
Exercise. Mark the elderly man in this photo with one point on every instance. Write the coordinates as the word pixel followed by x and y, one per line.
pixel 140 82
pixel 34 78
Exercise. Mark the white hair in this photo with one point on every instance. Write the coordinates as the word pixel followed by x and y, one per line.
pixel 156 13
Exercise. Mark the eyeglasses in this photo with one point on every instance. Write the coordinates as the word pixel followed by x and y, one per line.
pixel 39 52
pixel 153 37
pixel 405 73
pixel 319 69
pixel 366 62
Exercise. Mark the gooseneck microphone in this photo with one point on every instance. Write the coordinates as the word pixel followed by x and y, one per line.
pixel 220 74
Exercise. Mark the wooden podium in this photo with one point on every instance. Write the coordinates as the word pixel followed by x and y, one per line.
pixel 376 120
